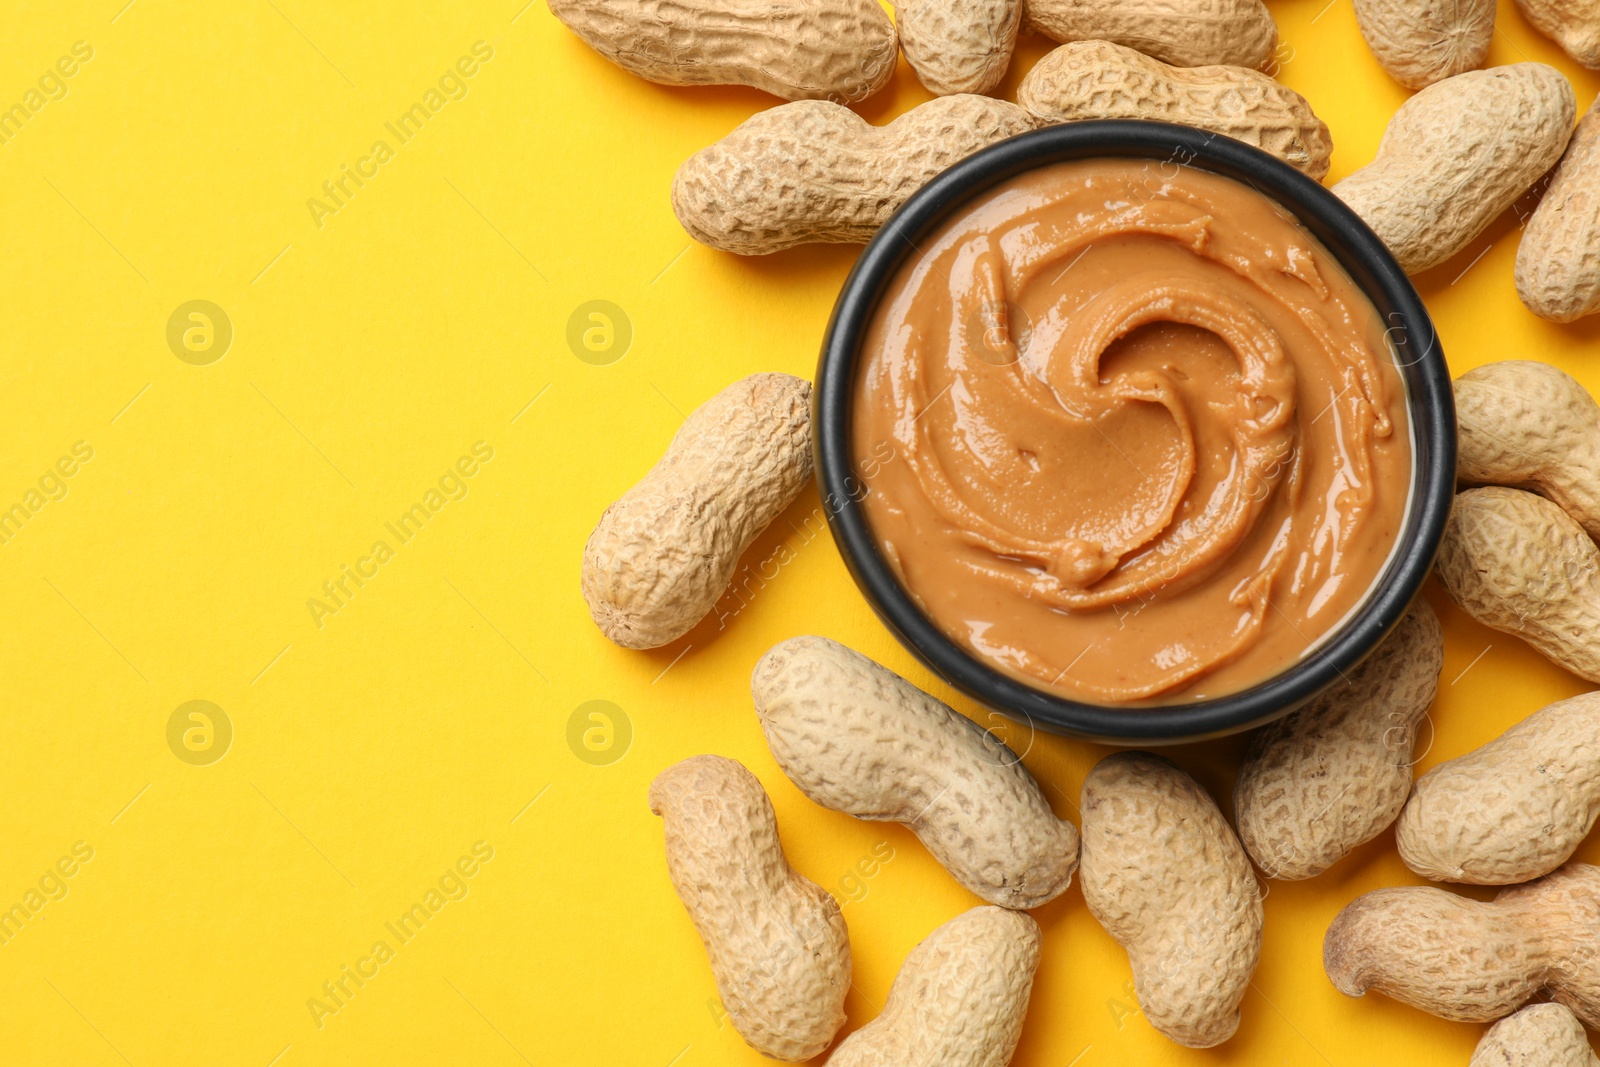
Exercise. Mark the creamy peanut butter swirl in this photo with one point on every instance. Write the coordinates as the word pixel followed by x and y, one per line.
pixel 1143 432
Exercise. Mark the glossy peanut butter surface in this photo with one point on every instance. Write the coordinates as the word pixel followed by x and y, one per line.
pixel 1129 434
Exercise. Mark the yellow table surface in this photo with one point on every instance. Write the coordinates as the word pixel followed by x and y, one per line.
pixel 368 746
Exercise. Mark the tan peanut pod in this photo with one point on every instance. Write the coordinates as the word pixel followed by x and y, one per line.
pixel 1519 564
pixel 1572 24
pixel 958 1000
pixel 843 50
pixel 1471 961
pixel 958 46
pixel 777 941
pixel 858 738
pixel 1169 881
pixel 815 171
pixel 662 554
pixel 1101 80
pixel 1419 42
pixel 1528 425
pixel 1335 773
pixel 1185 33
pixel 1544 1035
pixel 1514 809
pixel 1456 155
pixel 1558 261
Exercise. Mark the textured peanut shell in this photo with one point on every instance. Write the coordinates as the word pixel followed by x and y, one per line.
pixel 1456 155
pixel 1519 564
pixel 1169 881
pixel 1572 24
pixel 661 555
pixel 843 50
pixel 1513 810
pixel 1335 773
pixel 1185 33
pixel 814 171
pixel 777 941
pixel 860 739
pixel 1419 42
pixel 1528 425
pixel 1558 261
pixel 958 46
pixel 1101 80
pixel 1544 1035
pixel 1470 961
pixel 958 1000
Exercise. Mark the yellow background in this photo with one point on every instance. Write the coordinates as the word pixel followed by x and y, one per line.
pixel 431 711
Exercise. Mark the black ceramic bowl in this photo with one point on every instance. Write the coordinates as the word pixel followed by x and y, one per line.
pixel 1422 366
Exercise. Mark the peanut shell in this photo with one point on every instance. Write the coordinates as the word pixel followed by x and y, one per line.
pixel 958 46
pixel 1101 80
pixel 1185 33
pixel 1335 773
pixel 1544 1035
pixel 1169 881
pixel 1419 42
pixel 662 555
pixel 777 941
pixel 1558 261
pixel 1519 564
pixel 814 171
pixel 858 738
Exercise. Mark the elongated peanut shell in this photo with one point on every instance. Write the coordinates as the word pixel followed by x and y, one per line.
pixel 1558 261
pixel 1166 877
pixel 1528 425
pixel 958 46
pixel 1101 80
pixel 1513 810
pixel 1419 42
pixel 661 555
pixel 860 739
pixel 814 171
pixel 1185 33
pixel 958 1000
pixel 841 50
pixel 1335 773
pixel 777 941
pixel 1456 155
pixel 1519 564
pixel 1470 961
pixel 1544 1035
pixel 1572 24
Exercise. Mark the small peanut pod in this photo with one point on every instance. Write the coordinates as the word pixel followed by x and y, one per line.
pixel 777 941
pixel 1544 1035
pixel 958 1000
pixel 860 739
pixel 1470 961
pixel 661 555
pixel 1519 564
pixel 815 171
pixel 1528 425
pixel 1514 809
pixel 1169 881
pixel 1100 80
pixel 1419 42
pixel 958 46
pixel 1558 261
pixel 1572 24
pixel 1335 773
pixel 1185 33
pixel 798 49
pixel 1456 155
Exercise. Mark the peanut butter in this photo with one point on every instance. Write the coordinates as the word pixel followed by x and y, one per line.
pixel 1147 441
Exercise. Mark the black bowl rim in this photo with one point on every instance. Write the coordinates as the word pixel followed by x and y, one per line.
pixel 1357 249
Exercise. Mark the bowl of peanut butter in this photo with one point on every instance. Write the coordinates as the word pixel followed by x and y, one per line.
pixel 1133 432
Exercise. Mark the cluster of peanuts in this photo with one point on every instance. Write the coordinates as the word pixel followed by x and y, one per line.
pixel 1160 866
pixel 1454 156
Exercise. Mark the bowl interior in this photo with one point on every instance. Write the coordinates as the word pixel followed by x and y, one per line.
pixel 1352 244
